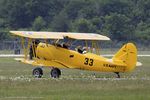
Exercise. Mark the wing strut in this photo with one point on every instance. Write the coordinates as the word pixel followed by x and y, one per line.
pixel 29 48
pixel 95 47
pixel 29 44
pixel 86 44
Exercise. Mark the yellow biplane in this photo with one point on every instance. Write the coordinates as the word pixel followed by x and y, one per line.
pixel 38 51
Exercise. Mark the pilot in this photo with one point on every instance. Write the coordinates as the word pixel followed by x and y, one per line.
pixel 78 49
pixel 84 49
pixel 66 45
pixel 58 45
pixel 81 50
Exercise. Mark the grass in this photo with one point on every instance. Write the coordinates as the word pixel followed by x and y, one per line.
pixel 17 83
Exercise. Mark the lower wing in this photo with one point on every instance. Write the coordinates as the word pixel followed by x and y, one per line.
pixel 46 63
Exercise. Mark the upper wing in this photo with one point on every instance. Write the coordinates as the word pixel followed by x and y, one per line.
pixel 37 35
pixel 59 35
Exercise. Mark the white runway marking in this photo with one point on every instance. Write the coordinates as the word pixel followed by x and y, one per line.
pixel 12 55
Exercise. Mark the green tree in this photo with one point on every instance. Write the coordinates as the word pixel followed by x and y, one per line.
pixel 38 24
pixel 118 26
pixel 4 34
pixel 122 20
pixel 60 22
pixel 143 33
pixel 83 25
pixel 15 13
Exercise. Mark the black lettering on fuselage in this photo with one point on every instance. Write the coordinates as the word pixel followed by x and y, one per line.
pixel 88 61
pixel 112 66
pixel 115 66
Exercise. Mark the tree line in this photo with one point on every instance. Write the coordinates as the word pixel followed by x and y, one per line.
pixel 121 20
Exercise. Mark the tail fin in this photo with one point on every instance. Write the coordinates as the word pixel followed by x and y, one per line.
pixel 128 54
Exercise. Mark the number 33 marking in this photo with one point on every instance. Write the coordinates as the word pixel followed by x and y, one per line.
pixel 88 61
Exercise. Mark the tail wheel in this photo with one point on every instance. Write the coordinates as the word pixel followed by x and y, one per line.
pixel 118 75
pixel 37 72
pixel 55 73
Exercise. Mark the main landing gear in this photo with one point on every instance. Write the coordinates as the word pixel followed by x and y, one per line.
pixel 55 73
pixel 38 72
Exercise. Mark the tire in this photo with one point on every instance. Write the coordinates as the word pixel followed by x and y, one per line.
pixel 55 73
pixel 37 72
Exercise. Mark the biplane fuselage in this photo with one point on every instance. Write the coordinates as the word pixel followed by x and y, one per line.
pixel 74 59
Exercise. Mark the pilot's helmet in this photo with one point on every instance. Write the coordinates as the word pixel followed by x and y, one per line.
pixel 37 42
pixel 85 48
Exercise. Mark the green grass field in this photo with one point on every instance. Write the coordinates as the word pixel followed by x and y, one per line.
pixel 17 83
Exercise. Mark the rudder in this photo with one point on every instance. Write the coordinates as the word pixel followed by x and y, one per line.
pixel 128 54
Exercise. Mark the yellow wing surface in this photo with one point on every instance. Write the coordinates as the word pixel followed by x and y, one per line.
pixel 59 35
pixel 40 62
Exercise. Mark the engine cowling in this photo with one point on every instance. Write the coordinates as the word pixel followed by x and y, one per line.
pixel 44 51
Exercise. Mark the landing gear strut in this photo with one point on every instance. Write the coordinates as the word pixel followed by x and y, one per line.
pixel 55 73
pixel 37 72
pixel 118 75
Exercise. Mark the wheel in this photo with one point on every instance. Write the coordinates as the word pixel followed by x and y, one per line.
pixel 118 75
pixel 37 72
pixel 55 73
